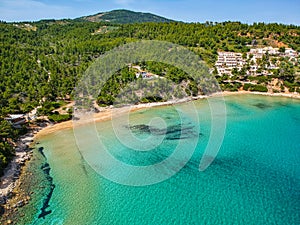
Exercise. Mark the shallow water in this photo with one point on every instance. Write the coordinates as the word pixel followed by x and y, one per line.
pixel 255 178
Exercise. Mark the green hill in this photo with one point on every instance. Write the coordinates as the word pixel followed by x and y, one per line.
pixel 41 62
pixel 124 16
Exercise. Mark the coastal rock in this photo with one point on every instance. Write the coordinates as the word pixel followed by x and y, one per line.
pixel 2 200
pixel 20 203
pixel 2 210
pixel 10 194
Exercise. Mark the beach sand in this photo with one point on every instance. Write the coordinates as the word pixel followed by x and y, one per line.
pixel 106 113
pixel 8 180
pixel 14 172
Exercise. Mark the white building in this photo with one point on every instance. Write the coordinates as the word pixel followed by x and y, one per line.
pixel 290 52
pixel 16 119
pixel 259 52
pixel 229 60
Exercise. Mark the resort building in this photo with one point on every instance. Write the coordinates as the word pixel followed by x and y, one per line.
pixel 144 75
pixel 229 60
pixel 16 120
pixel 290 52
pixel 259 52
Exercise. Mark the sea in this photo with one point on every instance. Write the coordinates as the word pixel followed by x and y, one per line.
pixel 145 167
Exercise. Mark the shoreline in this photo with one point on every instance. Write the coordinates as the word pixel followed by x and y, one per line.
pixel 13 172
pixel 294 95
pixel 106 113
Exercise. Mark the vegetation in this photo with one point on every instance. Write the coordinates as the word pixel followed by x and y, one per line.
pixel 42 61
pixel 149 99
pixel 253 87
pixel 114 85
pixel 124 16
pixel 45 64
pixel 7 136
pixel 59 117
pixel 6 150
pixel 48 107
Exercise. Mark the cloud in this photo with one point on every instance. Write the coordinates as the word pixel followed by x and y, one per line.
pixel 29 10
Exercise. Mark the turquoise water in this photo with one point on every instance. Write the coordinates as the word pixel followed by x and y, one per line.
pixel 255 178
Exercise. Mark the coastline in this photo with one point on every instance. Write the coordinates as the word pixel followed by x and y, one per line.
pixel 14 179
pixel 106 113
pixel 294 95
pixel 10 180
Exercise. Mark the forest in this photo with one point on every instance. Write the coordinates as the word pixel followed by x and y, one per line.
pixel 123 16
pixel 41 62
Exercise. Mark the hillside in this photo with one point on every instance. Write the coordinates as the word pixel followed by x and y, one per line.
pixel 123 17
pixel 44 60
pixel 41 62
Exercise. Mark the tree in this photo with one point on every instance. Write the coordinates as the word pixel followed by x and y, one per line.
pixel 282 50
pixel 244 56
pixel 6 131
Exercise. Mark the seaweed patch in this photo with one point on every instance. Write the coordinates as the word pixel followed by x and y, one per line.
pixel 44 212
pixel 262 105
pixel 174 132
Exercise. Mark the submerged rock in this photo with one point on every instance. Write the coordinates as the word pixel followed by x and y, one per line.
pixel 174 132
pixel 41 150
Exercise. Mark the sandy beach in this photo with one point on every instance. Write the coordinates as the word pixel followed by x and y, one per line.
pixel 23 153
pixel 106 113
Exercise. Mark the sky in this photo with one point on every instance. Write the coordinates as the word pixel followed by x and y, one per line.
pixel 247 11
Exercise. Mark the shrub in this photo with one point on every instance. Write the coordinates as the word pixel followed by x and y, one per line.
pixel 258 88
pixel 254 87
pixel 59 117
pixel 151 99
pixel 246 86
pixel 48 107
